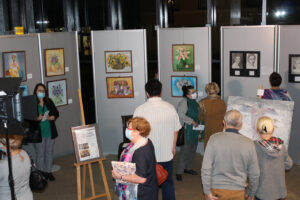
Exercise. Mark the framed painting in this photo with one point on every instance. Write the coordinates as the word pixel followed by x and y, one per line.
pixel 118 61
pixel 14 64
pixel 24 89
pixel 54 62
pixel 120 87
pixel 183 57
pixel 86 143
pixel 57 92
pixel 294 68
pixel 177 82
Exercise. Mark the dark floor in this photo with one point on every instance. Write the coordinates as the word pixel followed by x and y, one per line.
pixel 64 188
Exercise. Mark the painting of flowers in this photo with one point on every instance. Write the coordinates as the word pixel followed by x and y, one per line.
pixel 14 64
pixel 119 87
pixel 54 62
pixel 57 92
pixel 177 82
pixel 183 57
pixel 118 61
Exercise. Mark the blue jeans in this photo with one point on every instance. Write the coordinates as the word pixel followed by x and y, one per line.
pixel 168 191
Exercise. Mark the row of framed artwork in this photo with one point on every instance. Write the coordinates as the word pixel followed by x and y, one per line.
pixel 14 63
pixel 247 64
pixel 122 87
pixel 57 91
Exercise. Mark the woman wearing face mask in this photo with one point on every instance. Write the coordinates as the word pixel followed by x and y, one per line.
pixel 188 110
pixel 142 184
pixel 45 125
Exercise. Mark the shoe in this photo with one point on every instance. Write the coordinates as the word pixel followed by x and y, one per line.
pixel 178 177
pixel 190 171
pixel 50 177
pixel 45 174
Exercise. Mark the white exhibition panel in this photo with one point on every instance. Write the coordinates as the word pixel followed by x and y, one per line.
pixel 289 43
pixel 247 38
pixel 110 110
pixel 201 38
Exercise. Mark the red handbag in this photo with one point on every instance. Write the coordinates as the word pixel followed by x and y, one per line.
pixel 161 174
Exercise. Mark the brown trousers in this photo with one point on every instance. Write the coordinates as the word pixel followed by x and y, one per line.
pixel 228 194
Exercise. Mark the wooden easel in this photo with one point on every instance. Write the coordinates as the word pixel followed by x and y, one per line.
pixel 81 193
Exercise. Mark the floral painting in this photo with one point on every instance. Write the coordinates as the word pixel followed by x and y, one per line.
pixel 54 62
pixel 57 92
pixel 118 61
pixel 14 64
pixel 183 57
pixel 120 87
pixel 177 82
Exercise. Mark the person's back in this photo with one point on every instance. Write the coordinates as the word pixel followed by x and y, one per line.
pixel 21 166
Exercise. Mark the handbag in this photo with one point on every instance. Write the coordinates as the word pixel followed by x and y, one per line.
pixel 161 174
pixel 33 136
pixel 181 135
pixel 37 180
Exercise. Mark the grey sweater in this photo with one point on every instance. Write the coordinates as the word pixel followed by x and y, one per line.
pixel 272 172
pixel 228 160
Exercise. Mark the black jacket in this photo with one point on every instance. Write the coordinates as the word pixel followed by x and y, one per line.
pixel 34 126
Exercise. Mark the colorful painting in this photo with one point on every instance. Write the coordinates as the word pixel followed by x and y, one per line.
pixel 119 87
pixel 183 57
pixel 178 81
pixel 24 89
pixel 54 62
pixel 14 64
pixel 118 61
pixel 57 91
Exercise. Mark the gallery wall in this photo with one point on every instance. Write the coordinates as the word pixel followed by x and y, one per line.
pixel 289 46
pixel 34 46
pixel 200 38
pixel 260 40
pixel 110 105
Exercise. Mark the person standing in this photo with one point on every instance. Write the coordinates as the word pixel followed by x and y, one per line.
pixel 45 126
pixel 229 159
pixel 165 124
pixel 188 110
pixel 212 111
pixel 273 161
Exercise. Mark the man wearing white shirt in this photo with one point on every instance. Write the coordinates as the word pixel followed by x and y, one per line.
pixel 165 125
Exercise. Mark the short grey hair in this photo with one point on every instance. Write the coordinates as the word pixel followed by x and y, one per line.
pixel 233 118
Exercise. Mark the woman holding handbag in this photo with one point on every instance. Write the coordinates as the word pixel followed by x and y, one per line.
pixel 44 127
pixel 188 110
pixel 143 183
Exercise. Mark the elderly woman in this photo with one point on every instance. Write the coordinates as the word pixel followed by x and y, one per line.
pixel 143 183
pixel 188 110
pixel 273 160
pixel 212 111
pixel 21 166
pixel 275 92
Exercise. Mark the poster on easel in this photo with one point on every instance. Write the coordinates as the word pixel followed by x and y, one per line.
pixel 86 143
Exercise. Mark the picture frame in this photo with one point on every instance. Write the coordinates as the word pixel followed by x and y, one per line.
pixel 118 61
pixel 244 63
pixel 14 64
pixel 183 58
pixel 120 87
pixel 25 90
pixel 86 142
pixel 54 62
pixel 294 68
pixel 178 81
pixel 57 92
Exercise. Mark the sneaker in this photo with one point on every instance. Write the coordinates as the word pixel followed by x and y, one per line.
pixel 178 177
pixel 190 171
pixel 50 177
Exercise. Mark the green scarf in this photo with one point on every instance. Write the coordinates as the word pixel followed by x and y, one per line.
pixel 192 112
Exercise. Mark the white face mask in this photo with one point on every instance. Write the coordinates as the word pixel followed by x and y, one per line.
pixel 194 95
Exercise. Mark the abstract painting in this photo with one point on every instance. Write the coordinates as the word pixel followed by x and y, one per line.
pixel 54 62
pixel 120 87
pixel 183 57
pixel 57 92
pixel 14 64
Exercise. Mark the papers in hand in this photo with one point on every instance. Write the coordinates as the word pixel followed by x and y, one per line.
pixel 45 116
pixel 123 168
pixel 200 127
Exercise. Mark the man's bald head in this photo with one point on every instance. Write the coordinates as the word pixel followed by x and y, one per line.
pixel 233 119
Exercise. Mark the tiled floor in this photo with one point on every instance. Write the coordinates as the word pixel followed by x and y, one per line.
pixel 64 188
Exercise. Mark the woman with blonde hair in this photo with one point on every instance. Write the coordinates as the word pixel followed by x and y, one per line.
pixel 21 166
pixel 212 111
pixel 273 160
